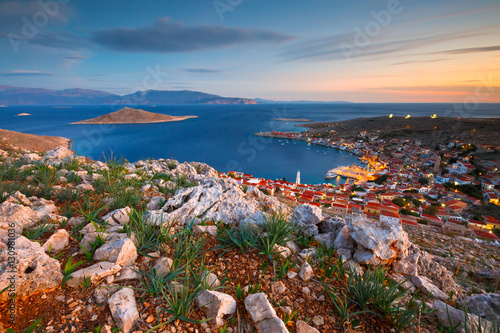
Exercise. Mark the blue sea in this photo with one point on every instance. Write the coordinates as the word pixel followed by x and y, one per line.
pixel 222 136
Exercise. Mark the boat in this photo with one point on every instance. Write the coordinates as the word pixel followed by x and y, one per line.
pixel 331 174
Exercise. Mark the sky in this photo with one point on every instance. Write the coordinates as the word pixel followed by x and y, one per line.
pixel 376 51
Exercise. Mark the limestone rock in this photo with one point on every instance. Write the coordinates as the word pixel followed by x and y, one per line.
pixel 57 156
pixel 210 280
pixel 124 309
pixel 303 327
pixel 35 271
pixel 327 239
pixel 485 305
pixel 346 254
pixel 344 240
pixel 306 272
pixel 426 286
pixel 307 214
pixel 119 216
pixel 21 215
pixel 96 272
pixel 263 314
pixel 127 273
pixel 163 266
pixel 216 305
pixel 331 225
pixel 439 275
pixel 386 240
pixel 205 229
pixel 408 265
pixel 155 203
pixel 451 317
pixel 122 252
pixel 366 257
pixel 57 241
pixel 103 293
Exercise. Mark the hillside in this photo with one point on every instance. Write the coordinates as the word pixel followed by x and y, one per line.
pixel 39 143
pixel 132 116
pixel 36 96
pixel 425 129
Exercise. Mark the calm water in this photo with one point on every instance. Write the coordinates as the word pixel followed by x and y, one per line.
pixel 222 136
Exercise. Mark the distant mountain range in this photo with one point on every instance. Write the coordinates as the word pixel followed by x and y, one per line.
pixel 37 96
pixel 268 101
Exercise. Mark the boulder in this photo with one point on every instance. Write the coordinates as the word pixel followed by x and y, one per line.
pixel 30 158
pixel 366 257
pixel 485 305
pixel 263 314
pixel 307 214
pixel 331 225
pixel 344 240
pixel 34 271
pixel 122 252
pixel 119 216
pixel 21 215
pixel 427 288
pixel 96 272
pixel 451 317
pixel 346 254
pixel 327 239
pixel 124 309
pixel 58 241
pixel 386 240
pixel 216 305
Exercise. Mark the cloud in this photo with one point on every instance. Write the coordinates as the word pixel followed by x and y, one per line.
pixel 473 50
pixel 418 61
pixel 76 57
pixel 24 72
pixel 201 70
pixel 166 36
pixel 342 47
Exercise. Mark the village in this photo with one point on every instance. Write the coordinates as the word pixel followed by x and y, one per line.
pixel 441 189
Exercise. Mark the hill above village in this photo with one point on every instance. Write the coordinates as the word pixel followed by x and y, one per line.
pixel 132 116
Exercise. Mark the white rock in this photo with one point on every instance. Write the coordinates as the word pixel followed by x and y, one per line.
pixel 306 272
pixel 278 287
pixel 386 240
pixel 155 203
pixel 57 156
pixel 18 214
pixel 119 216
pixel 57 241
pixel 303 327
pixel 307 214
pixel 124 309
pixel 426 286
pixel 216 305
pixel 95 272
pixel 163 266
pixel 485 305
pixel 35 271
pixel 407 265
pixel 263 314
pixel 205 229
pixel 451 317
pixel 122 252
pixel 127 273
pixel 283 251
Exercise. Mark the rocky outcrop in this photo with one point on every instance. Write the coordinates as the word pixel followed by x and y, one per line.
pixel 307 214
pixel 439 275
pixel 58 156
pixel 217 199
pixel 34 271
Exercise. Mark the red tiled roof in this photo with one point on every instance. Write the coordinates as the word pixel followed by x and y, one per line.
pixel 484 234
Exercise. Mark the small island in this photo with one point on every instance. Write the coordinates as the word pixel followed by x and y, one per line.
pixel 23 114
pixel 132 116
pixel 298 120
